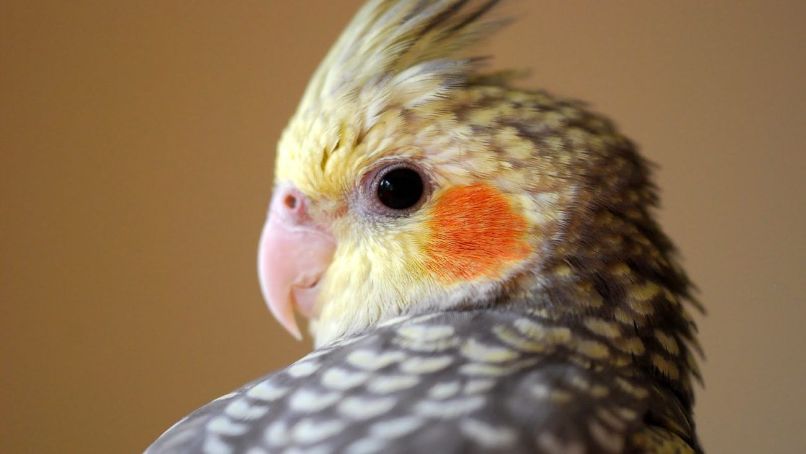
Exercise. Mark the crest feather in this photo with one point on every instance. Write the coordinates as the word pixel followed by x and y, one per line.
pixel 399 53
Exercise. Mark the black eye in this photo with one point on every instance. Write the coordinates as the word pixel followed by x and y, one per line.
pixel 400 188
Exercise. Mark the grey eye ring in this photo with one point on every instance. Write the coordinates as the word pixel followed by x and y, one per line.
pixel 396 189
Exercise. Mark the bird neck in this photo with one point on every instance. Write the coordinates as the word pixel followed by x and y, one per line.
pixel 614 277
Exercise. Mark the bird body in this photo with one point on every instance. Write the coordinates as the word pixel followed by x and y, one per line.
pixel 480 264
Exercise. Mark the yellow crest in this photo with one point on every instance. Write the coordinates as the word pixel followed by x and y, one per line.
pixel 394 56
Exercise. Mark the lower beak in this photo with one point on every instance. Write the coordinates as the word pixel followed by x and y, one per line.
pixel 291 261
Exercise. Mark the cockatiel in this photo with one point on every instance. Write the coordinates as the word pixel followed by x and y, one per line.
pixel 480 265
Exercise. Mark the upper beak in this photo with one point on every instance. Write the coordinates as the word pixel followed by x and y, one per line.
pixel 292 256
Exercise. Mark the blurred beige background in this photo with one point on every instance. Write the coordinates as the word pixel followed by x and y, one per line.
pixel 136 148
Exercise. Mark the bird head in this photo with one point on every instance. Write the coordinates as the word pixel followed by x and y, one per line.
pixel 408 181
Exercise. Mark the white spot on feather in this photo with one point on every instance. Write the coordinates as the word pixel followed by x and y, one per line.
pixel 426 333
pixel 486 435
pixel 266 391
pixel 343 379
pixel 306 400
pixel 478 386
pixel 225 426
pixel 369 360
pixel 395 428
pixel 303 369
pixel 476 351
pixel 444 390
pixel 276 434
pixel 240 409
pixel 425 365
pixel 307 431
pixel 365 408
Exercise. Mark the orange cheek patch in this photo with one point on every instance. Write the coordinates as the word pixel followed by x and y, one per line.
pixel 474 233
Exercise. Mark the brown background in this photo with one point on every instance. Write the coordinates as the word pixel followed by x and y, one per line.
pixel 137 142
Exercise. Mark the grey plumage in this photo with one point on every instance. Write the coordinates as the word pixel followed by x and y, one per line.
pixel 458 381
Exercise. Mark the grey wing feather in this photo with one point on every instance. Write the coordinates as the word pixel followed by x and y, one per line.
pixel 460 381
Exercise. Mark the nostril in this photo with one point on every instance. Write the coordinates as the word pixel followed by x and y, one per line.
pixel 290 201
pixel 290 204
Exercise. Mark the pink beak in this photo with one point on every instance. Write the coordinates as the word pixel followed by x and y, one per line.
pixel 292 256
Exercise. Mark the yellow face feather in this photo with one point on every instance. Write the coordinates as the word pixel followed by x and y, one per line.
pixel 385 266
